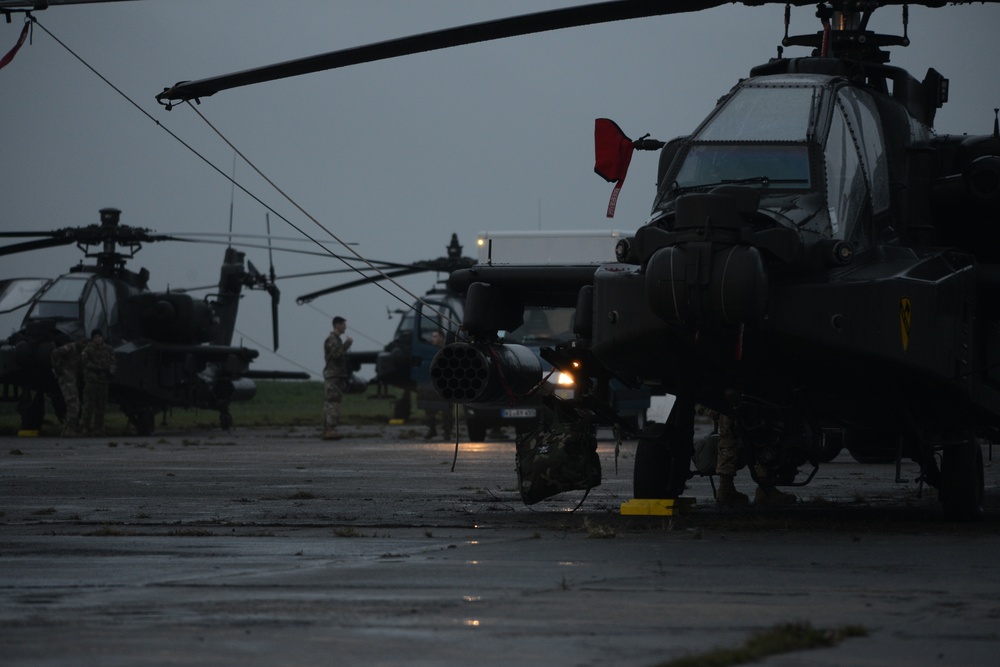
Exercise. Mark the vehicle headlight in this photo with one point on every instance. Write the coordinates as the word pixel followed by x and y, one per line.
pixel 565 380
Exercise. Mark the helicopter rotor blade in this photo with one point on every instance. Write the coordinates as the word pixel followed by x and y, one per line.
pixel 272 288
pixel 275 293
pixel 35 5
pixel 297 251
pixel 306 298
pixel 556 19
pixel 39 244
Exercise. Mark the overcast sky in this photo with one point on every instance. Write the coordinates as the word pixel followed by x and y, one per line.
pixel 394 156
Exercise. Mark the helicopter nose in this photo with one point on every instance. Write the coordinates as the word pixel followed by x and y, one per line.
pixel 694 284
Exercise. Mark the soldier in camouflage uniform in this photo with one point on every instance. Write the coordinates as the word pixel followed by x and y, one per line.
pixel 66 367
pixel 727 463
pixel 334 377
pixel 98 366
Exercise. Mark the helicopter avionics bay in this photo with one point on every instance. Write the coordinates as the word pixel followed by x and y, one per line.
pixel 394 156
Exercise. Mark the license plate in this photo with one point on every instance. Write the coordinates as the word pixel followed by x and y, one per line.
pixel 518 413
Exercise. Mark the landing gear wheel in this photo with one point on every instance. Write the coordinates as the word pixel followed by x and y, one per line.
pixel 145 421
pixel 477 429
pixel 962 486
pixel 32 409
pixel 659 472
pixel 402 407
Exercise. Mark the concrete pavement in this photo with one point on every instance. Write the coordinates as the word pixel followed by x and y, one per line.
pixel 276 548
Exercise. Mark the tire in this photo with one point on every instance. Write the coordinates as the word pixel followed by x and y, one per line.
pixel 476 428
pixel 32 409
pixel 962 484
pixel 145 421
pixel 658 473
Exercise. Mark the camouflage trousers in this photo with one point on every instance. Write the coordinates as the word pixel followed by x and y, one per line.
pixel 333 395
pixel 71 396
pixel 728 460
pixel 95 402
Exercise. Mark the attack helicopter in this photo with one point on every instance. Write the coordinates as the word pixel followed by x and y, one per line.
pixel 171 349
pixel 406 361
pixel 817 257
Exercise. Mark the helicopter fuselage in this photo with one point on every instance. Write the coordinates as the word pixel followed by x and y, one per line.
pixel 807 259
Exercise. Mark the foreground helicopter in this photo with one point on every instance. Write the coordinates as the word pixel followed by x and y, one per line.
pixel 171 348
pixel 817 257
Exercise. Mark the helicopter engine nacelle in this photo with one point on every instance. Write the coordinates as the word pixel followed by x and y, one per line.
pixel 982 178
pixel 965 199
pixel 484 373
pixel 695 284
pixel 173 318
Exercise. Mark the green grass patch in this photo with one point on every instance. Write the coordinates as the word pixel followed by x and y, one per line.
pixel 278 403
pixel 783 638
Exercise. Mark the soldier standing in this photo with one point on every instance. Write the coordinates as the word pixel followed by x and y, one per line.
pixel 98 366
pixel 766 495
pixel 66 367
pixel 334 377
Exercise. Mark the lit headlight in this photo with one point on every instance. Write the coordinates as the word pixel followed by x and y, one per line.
pixel 565 380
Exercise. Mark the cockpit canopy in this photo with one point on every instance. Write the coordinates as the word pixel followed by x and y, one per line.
pixel 790 135
pixel 89 300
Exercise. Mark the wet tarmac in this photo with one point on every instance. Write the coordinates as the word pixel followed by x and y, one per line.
pixel 276 548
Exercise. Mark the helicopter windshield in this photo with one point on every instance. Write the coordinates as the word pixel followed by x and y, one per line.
pixel 544 325
pixel 440 317
pixel 61 300
pixel 15 294
pixel 764 113
pixel 759 137
pixel 781 166
pixel 100 310
pixel 789 134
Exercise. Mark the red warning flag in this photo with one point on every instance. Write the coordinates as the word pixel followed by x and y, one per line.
pixel 20 42
pixel 612 155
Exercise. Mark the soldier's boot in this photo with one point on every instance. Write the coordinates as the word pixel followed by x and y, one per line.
pixel 768 497
pixel 332 434
pixel 728 496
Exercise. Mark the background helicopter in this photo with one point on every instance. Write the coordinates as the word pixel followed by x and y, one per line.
pixel 405 363
pixel 860 241
pixel 172 349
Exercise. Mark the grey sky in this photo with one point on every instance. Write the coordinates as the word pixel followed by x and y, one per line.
pixel 395 155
